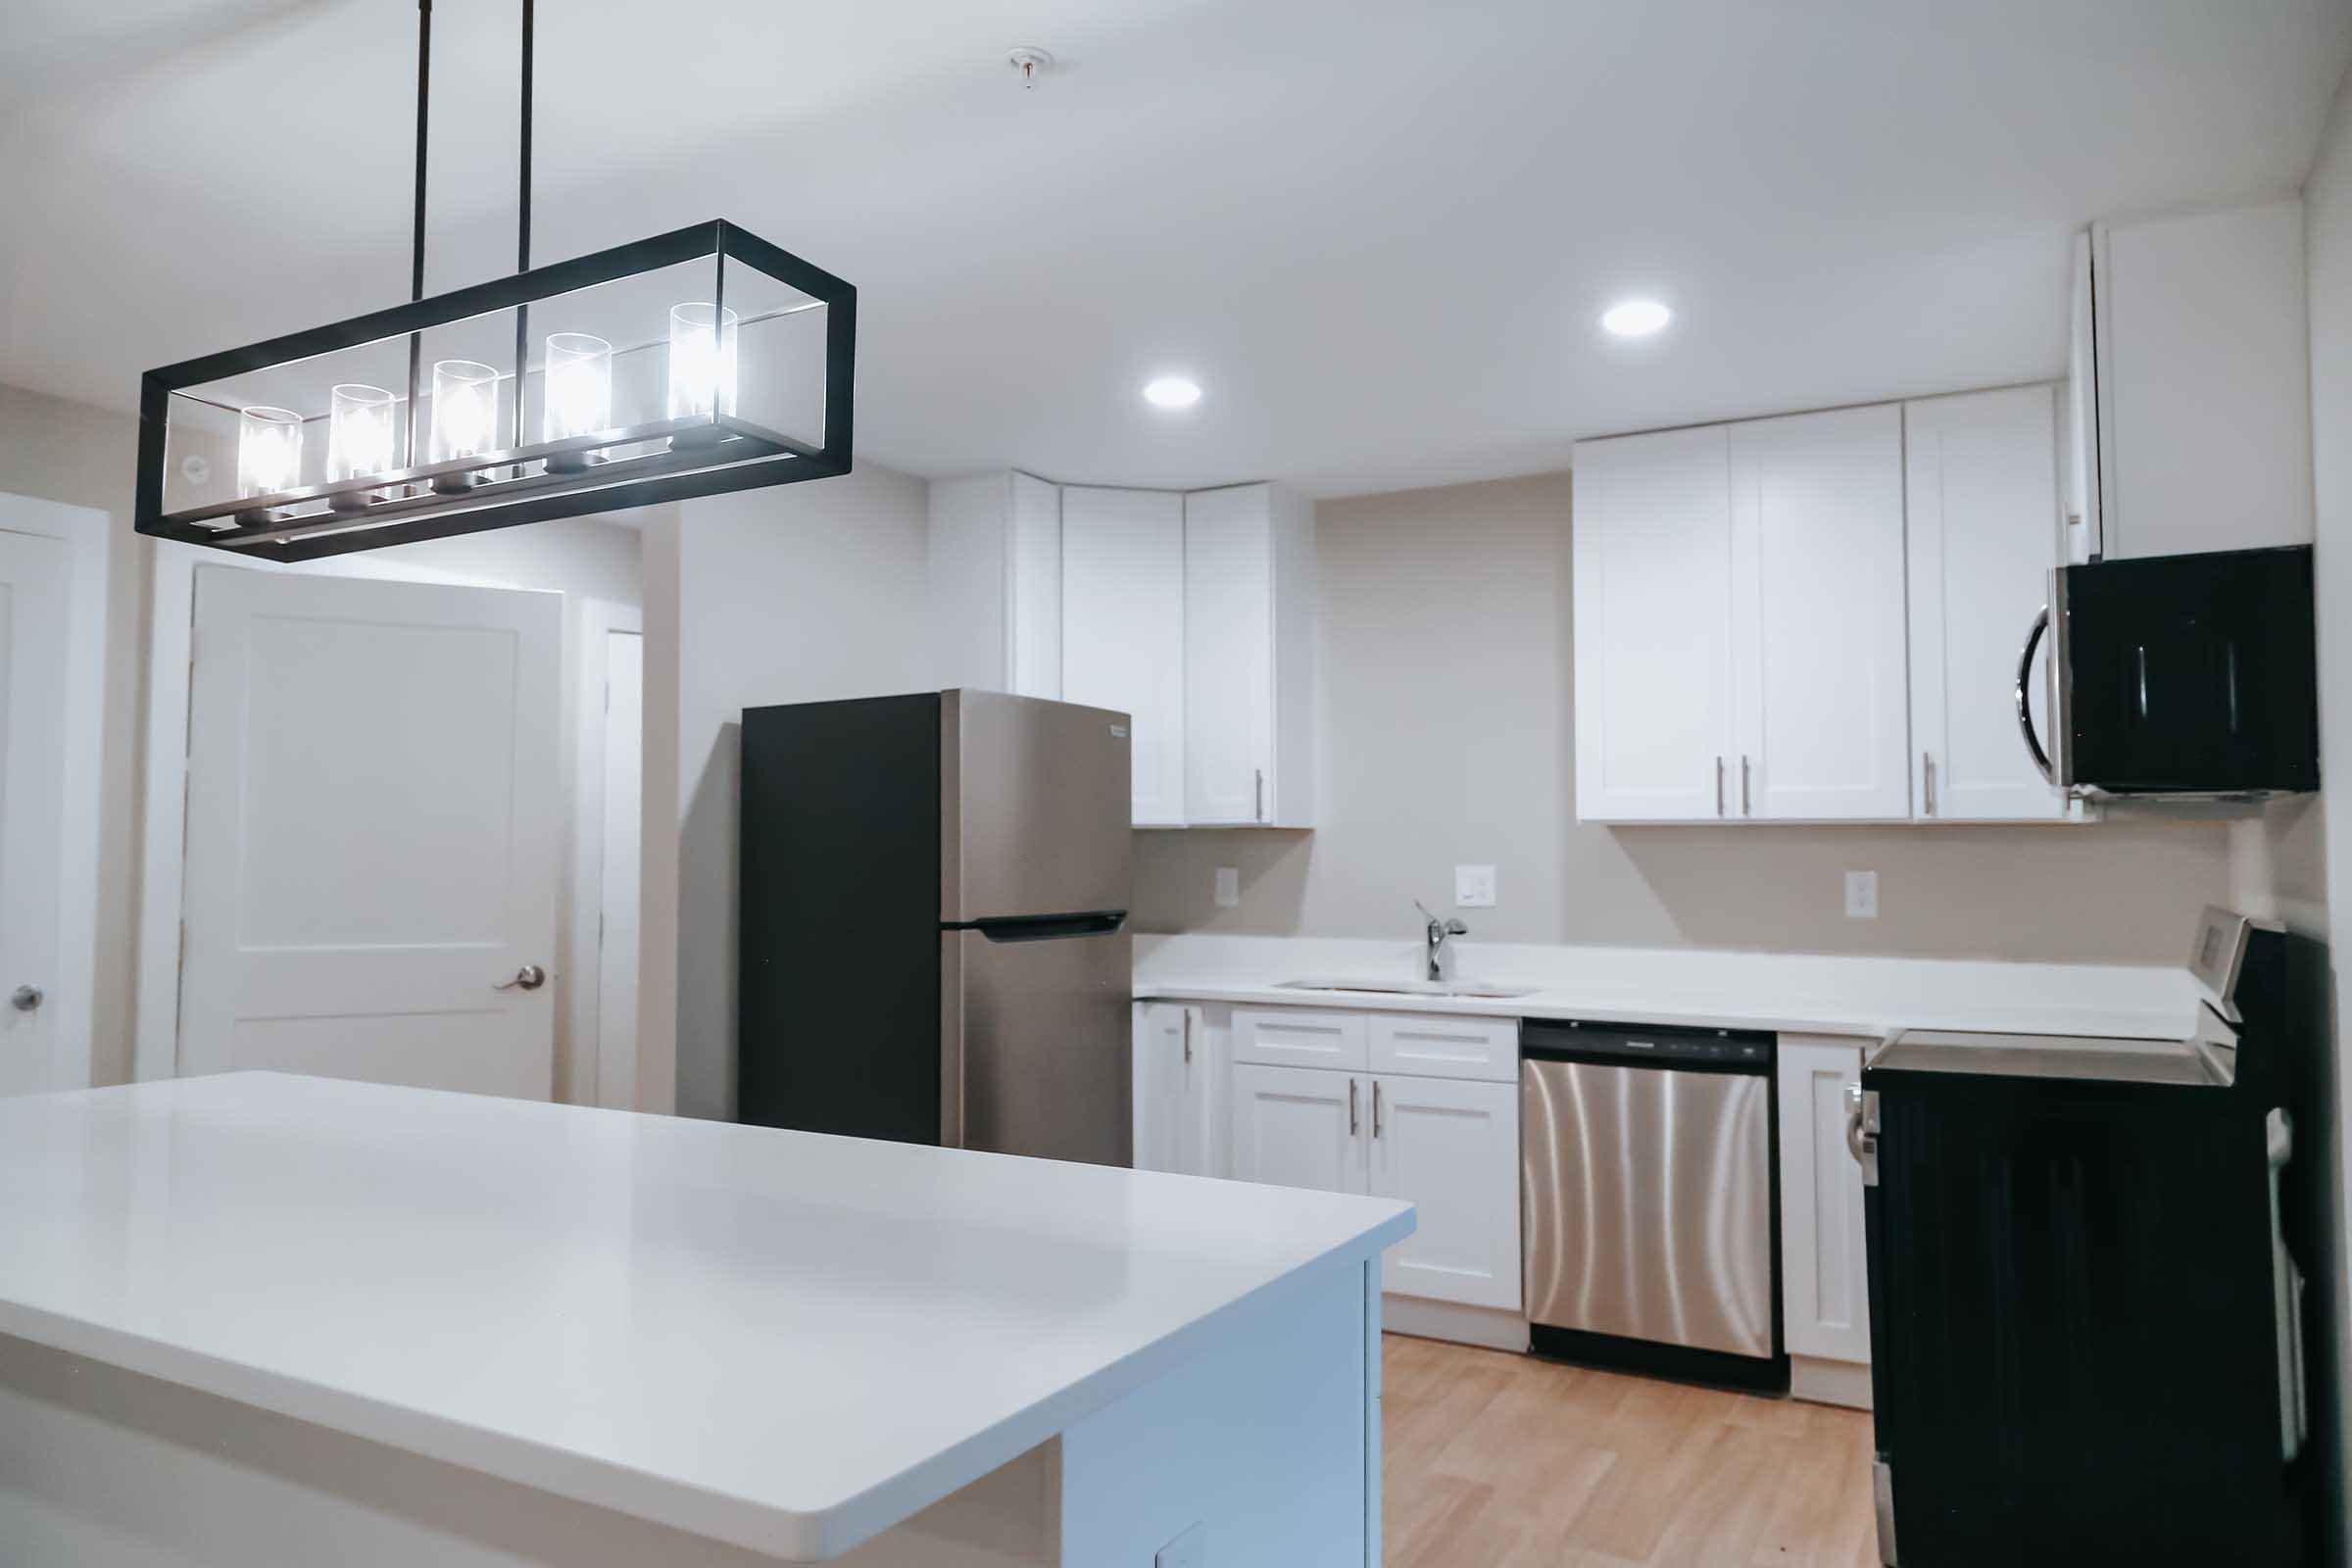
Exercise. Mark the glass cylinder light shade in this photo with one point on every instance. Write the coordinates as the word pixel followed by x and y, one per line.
pixel 702 361
pixel 269 451
pixel 359 432
pixel 579 386
pixel 464 409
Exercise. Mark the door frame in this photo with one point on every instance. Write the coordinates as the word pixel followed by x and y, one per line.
pixel 85 532
pixel 163 831
pixel 598 618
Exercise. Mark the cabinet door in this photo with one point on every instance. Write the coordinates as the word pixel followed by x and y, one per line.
pixel 1122 629
pixel 1452 1149
pixel 1651 540
pixel 1817 616
pixel 2083 410
pixel 1981 476
pixel 1162 1034
pixel 1228 654
pixel 1298 1127
pixel 1826 1288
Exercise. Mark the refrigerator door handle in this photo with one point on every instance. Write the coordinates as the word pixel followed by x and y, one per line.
pixel 1043 927
pixel 2025 709
pixel 2286 1294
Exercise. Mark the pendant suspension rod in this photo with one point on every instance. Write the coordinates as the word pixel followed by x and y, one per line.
pixel 424 80
pixel 523 237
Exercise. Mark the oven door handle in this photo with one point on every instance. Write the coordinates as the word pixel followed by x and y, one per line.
pixel 2025 709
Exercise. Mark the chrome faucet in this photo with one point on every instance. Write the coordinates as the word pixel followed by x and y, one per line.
pixel 1438 931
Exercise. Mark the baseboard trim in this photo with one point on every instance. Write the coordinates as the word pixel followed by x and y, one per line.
pixel 1845 1383
pixel 1482 1326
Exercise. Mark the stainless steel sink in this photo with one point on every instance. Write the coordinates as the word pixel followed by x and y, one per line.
pixel 1412 988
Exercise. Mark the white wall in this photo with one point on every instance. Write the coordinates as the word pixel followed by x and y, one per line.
pixel 2328 237
pixel 1447 737
pixel 797 594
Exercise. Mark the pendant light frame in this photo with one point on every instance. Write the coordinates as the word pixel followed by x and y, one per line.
pixel 642 464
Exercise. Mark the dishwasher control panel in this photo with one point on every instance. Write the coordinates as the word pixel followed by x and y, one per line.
pixel 1679 1045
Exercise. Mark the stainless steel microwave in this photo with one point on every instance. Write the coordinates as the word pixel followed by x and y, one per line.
pixel 2185 677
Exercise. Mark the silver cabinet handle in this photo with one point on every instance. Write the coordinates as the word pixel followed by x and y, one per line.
pixel 1188 1037
pixel 1354 1126
pixel 1747 807
pixel 1718 786
pixel 530 977
pixel 1258 810
pixel 26 998
pixel 1376 1108
pixel 1927 783
pixel 1861 1130
pixel 2024 710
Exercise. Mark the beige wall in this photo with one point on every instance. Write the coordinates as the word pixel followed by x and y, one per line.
pixel 88 456
pixel 797 594
pixel 1446 717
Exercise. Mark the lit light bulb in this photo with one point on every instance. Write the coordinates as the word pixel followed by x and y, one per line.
pixel 465 416
pixel 268 449
pixel 578 394
pixel 702 361
pixel 359 437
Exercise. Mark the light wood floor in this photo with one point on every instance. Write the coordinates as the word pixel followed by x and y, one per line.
pixel 1503 1461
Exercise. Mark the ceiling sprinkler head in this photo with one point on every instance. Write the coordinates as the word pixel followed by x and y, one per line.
pixel 1031 63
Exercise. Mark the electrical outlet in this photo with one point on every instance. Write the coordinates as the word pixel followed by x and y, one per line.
pixel 1474 887
pixel 1862 895
pixel 1188 1550
pixel 1229 886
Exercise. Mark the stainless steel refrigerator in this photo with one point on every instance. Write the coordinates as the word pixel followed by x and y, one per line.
pixel 932 916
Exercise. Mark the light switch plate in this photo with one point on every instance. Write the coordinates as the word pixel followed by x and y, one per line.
pixel 1474 887
pixel 1229 886
pixel 1188 1550
pixel 1862 895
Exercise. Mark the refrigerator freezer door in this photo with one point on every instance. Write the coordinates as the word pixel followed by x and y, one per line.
pixel 1033 808
pixel 1037 1056
pixel 1650 1204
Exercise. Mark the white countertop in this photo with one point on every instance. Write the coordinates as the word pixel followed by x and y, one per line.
pixel 1788 993
pixel 780 1340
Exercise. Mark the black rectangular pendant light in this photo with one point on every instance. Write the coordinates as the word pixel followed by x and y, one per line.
pixel 254 450
pixel 696 362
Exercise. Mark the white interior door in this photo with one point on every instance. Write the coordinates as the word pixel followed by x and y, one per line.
pixel 1122 629
pixel 1651 538
pixel 617 944
pixel 34 631
pixel 1822 692
pixel 372 819
pixel 1981 479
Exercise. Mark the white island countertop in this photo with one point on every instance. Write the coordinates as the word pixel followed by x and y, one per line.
pixel 778 1339
pixel 1816 994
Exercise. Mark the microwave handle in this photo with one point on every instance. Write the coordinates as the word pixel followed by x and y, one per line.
pixel 2024 710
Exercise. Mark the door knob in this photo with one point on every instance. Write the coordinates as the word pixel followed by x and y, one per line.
pixel 530 977
pixel 26 998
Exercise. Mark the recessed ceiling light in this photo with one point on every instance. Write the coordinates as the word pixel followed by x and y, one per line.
pixel 1172 392
pixel 1636 318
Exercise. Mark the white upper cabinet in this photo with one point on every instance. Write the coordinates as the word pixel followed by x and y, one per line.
pixel 1651 540
pixel 1122 629
pixel 996 583
pixel 1248 657
pixel 2203 360
pixel 2083 498
pixel 1981 473
pixel 1820 671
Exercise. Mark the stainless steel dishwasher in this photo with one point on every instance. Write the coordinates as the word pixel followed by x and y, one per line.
pixel 1650 1175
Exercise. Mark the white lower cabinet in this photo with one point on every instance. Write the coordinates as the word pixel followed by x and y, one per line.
pixel 1448 1145
pixel 1175 1113
pixel 1825 1280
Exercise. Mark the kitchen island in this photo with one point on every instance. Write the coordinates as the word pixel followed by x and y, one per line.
pixel 261 1318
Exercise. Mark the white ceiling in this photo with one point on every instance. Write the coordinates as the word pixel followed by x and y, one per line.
pixel 1378 234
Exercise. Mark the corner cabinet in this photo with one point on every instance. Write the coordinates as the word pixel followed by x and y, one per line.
pixel 1824 1278
pixel 1248 657
pixel 1122 629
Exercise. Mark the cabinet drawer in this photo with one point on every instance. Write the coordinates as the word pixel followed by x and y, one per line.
pixel 1299 1037
pixel 1445 1048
